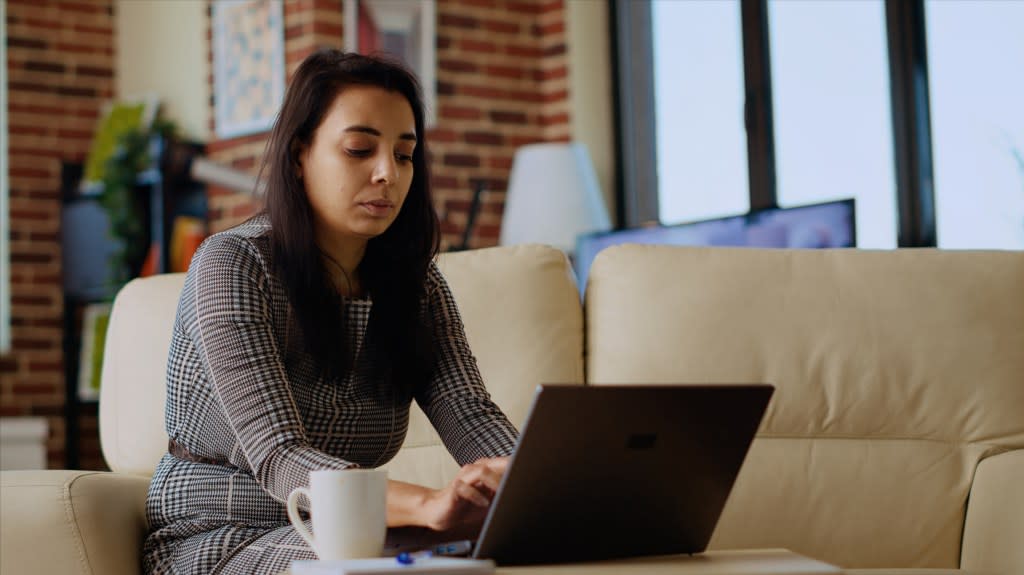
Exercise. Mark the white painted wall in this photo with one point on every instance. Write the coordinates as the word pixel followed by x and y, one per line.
pixel 162 48
pixel 590 88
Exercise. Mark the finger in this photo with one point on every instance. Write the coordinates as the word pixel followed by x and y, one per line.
pixel 480 475
pixel 487 492
pixel 471 494
pixel 498 464
pixel 491 479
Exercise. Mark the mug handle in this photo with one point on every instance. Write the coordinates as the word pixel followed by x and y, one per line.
pixel 296 519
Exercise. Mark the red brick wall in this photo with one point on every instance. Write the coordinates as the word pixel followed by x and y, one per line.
pixel 498 84
pixel 501 82
pixel 60 59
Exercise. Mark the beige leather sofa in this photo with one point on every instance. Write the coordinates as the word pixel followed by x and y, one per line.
pixel 894 444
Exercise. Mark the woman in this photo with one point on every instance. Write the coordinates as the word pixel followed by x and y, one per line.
pixel 303 335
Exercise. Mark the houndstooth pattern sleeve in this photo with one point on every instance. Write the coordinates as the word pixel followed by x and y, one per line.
pixel 456 401
pixel 232 330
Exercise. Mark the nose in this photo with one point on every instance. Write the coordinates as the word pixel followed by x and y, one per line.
pixel 385 171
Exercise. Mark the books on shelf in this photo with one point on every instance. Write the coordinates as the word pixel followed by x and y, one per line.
pixel 187 233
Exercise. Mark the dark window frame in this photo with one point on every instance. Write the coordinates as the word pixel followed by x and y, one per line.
pixel 757 108
pixel 911 122
pixel 635 121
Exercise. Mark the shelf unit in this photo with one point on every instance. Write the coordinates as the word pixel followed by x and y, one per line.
pixel 88 247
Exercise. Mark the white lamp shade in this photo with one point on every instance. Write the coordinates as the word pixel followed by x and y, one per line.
pixel 552 197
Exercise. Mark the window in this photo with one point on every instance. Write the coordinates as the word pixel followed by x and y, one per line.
pixel 976 75
pixel 912 107
pixel 831 109
pixel 699 91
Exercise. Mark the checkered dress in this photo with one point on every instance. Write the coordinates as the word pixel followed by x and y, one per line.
pixel 246 399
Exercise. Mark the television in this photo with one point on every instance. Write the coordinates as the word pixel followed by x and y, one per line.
pixel 824 225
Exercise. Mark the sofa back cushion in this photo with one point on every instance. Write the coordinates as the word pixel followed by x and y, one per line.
pixel 134 380
pixel 519 305
pixel 896 373
pixel 523 318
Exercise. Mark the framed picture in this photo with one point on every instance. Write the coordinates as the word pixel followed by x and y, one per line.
pixel 248 65
pixel 403 28
pixel 95 318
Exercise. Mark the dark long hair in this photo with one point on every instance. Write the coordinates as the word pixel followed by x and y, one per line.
pixel 395 266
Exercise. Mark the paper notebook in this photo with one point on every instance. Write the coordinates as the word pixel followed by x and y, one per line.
pixel 383 565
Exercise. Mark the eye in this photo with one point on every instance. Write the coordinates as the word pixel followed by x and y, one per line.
pixel 403 157
pixel 358 153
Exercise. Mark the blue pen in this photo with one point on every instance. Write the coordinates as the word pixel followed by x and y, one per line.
pixel 409 558
pixel 454 548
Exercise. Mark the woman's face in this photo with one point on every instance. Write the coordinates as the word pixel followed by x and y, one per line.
pixel 358 169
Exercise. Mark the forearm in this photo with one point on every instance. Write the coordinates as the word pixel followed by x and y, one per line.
pixel 471 426
pixel 406 504
pixel 283 469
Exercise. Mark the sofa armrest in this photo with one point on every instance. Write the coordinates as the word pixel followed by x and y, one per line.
pixel 994 527
pixel 74 522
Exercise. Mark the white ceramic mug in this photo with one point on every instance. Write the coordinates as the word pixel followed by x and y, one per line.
pixel 349 512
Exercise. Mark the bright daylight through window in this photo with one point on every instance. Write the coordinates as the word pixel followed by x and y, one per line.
pixel 698 80
pixel 976 72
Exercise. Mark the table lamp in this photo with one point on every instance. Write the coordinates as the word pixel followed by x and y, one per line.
pixel 552 197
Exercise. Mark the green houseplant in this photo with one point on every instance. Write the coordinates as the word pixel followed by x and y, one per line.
pixel 121 198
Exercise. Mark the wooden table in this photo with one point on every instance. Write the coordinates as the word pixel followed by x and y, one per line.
pixel 738 562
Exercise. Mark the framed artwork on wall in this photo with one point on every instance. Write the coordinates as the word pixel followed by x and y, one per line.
pixel 248 65
pixel 403 28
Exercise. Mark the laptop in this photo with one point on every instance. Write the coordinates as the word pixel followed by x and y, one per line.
pixel 604 472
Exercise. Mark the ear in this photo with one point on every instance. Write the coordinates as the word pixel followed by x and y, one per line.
pixel 298 153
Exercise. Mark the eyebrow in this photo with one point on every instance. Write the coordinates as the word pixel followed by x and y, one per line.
pixel 375 132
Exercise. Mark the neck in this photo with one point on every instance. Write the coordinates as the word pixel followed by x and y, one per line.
pixel 341 258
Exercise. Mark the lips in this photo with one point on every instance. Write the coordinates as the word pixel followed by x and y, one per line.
pixel 378 208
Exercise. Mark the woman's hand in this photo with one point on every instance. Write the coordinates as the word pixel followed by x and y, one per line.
pixel 464 502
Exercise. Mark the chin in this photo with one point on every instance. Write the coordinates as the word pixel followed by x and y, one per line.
pixel 371 231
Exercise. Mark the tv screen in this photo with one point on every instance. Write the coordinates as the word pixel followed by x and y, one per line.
pixel 825 225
